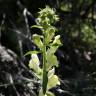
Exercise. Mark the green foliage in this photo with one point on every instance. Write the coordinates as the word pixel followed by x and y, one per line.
pixel 66 6
pixel 88 35
pixel 48 39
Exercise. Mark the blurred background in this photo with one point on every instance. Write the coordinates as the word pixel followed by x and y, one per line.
pixel 77 56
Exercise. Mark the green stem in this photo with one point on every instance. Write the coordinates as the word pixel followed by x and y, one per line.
pixel 45 78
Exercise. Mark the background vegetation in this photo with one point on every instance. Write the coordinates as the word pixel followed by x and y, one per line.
pixel 77 56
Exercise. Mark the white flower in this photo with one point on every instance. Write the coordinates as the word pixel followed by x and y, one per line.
pixel 34 62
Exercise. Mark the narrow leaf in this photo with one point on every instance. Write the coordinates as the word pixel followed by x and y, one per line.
pixel 36 26
pixel 32 52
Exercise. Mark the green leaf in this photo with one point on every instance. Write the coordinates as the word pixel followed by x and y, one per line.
pixel 53 81
pixel 52 49
pixel 31 52
pixel 36 26
pixel 37 40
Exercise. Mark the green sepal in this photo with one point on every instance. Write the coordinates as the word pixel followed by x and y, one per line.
pixel 50 33
pixel 51 59
pixel 37 40
pixel 56 41
pixel 39 74
pixel 53 81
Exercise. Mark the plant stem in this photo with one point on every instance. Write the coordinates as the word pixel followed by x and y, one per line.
pixel 45 78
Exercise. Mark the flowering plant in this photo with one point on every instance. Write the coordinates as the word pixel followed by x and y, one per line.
pixel 48 44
